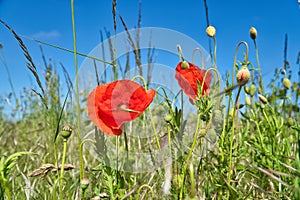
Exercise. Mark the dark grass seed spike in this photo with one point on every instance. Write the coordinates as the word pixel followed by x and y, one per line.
pixel 30 65
pixel 135 51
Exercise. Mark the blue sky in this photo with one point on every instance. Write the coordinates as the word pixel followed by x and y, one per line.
pixel 50 21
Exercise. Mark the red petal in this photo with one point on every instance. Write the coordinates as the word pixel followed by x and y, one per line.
pixel 93 111
pixel 187 80
pixel 108 99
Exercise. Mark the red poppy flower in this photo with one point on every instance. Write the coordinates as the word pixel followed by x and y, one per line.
pixel 111 105
pixel 187 75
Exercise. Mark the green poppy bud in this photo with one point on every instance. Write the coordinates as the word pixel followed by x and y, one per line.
pixel 248 101
pixel 246 89
pixel 259 90
pixel 290 121
pixel 84 183
pixel 168 118
pixel 184 65
pixel 66 131
pixel 252 90
pixel 286 83
pixel 263 99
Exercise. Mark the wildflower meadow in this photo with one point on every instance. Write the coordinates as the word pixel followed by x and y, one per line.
pixel 128 127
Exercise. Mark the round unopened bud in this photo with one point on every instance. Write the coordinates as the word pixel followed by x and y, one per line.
pixel 243 75
pixel 259 90
pixel 211 31
pixel 253 33
pixel 286 83
pixel 168 118
pixel 248 101
pixel 84 183
pixel 263 99
pixel 184 65
pixel 290 121
pixel 246 89
pixel 295 86
pixel 66 131
pixel 252 90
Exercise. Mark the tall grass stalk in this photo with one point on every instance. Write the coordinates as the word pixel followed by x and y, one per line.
pixel 77 92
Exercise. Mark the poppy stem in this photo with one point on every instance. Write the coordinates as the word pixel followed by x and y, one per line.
pixel 62 167
pixel 145 186
pixel 215 52
pixel 180 53
pixel 232 138
pixel 149 110
pixel 261 85
pixel 190 154
pixel 201 56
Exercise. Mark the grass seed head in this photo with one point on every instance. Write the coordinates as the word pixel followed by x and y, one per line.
pixel 211 31
pixel 253 33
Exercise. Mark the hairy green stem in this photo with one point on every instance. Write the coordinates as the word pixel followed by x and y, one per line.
pixel 146 186
pixel 215 52
pixel 261 85
pixel 190 154
pixel 62 167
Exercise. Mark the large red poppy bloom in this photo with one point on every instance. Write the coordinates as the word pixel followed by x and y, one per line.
pixel 187 76
pixel 111 105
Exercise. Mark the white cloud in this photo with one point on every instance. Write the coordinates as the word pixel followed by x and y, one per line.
pixel 43 35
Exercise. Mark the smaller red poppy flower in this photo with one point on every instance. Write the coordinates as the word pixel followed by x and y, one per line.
pixel 188 75
pixel 111 105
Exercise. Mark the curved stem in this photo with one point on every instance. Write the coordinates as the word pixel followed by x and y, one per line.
pixel 146 186
pixel 201 56
pixel 235 54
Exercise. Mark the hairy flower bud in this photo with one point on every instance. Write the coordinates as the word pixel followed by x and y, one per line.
pixel 66 131
pixel 248 101
pixel 84 183
pixel 243 75
pixel 263 99
pixel 184 65
pixel 253 33
pixel 211 31
pixel 286 83
pixel 252 90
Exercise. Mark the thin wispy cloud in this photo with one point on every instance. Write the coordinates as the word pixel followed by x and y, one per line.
pixel 46 35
